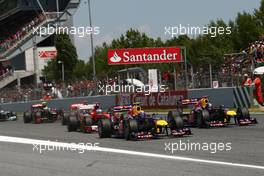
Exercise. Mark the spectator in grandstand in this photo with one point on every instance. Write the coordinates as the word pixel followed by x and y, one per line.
pixel 247 81
pixel 20 33
pixel 47 97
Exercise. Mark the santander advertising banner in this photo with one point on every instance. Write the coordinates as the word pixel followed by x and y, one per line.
pixel 144 55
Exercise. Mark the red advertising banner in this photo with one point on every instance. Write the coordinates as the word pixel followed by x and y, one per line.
pixel 260 61
pixel 154 100
pixel 144 55
pixel 47 54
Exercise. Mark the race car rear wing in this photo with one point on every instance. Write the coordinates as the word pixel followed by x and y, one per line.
pixel 191 101
pixel 122 108
pixel 37 106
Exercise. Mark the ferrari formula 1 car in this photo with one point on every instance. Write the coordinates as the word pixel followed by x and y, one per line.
pixel 203 114
pixel 131 122
pixel 41 113
pixel 7 116
pixel 85 118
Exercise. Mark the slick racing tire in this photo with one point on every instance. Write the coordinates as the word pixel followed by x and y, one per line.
pixel 245 113
pixel 178 122
pixel 175 120
pixel 172 114
pixel 65 118
pixel 72 124
pixel 242 113
pixel 131 126
pixel 27 117
pixel 202 118
pixel 104 128
pixel 37 118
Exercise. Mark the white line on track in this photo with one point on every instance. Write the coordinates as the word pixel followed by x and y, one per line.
pixel 120 151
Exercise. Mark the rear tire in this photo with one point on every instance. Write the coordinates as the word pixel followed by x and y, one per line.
pixel 72 124
pixel 37 117
pixel 27 117
pixel 104 128
pixel 65 118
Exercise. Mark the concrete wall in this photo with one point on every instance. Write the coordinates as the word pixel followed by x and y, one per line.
pixel 220 96
pixel 105 101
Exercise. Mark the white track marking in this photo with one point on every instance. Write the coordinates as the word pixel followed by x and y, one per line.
pixel 119 151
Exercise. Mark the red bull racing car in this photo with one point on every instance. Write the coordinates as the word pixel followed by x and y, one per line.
pixel 131 122
pixel 203 114
pixel 85 118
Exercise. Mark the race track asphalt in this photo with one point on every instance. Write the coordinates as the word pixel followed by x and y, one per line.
pixel 16 159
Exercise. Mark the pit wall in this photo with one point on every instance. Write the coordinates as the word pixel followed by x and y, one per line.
pixel 230 97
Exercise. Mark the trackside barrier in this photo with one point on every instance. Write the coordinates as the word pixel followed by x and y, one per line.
pixel 157 100
pixel 219 96
pixel 105 101
pixel 230 97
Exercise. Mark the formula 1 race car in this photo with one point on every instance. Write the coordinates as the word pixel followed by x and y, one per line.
pixel 41 113
pixel 7 116
pixel 131 122
pixel 66 115
pixel 203 114
pixel 85 118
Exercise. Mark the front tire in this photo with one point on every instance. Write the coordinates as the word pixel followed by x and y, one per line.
pixel 131 126
pixel 202 118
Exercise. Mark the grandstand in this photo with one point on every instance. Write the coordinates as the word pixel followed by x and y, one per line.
pixel 20 45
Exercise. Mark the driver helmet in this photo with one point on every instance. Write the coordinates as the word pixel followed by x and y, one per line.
pixel 44 104
pixel 99 111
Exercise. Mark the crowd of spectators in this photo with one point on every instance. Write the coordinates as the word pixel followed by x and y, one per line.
pixel 256 49
pixel 15 94
pixel 13 38
pixel 47 91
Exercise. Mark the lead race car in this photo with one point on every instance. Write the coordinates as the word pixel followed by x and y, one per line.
pixel 131 122
pixel 203 114
pixel 85 117
pixel 40 113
